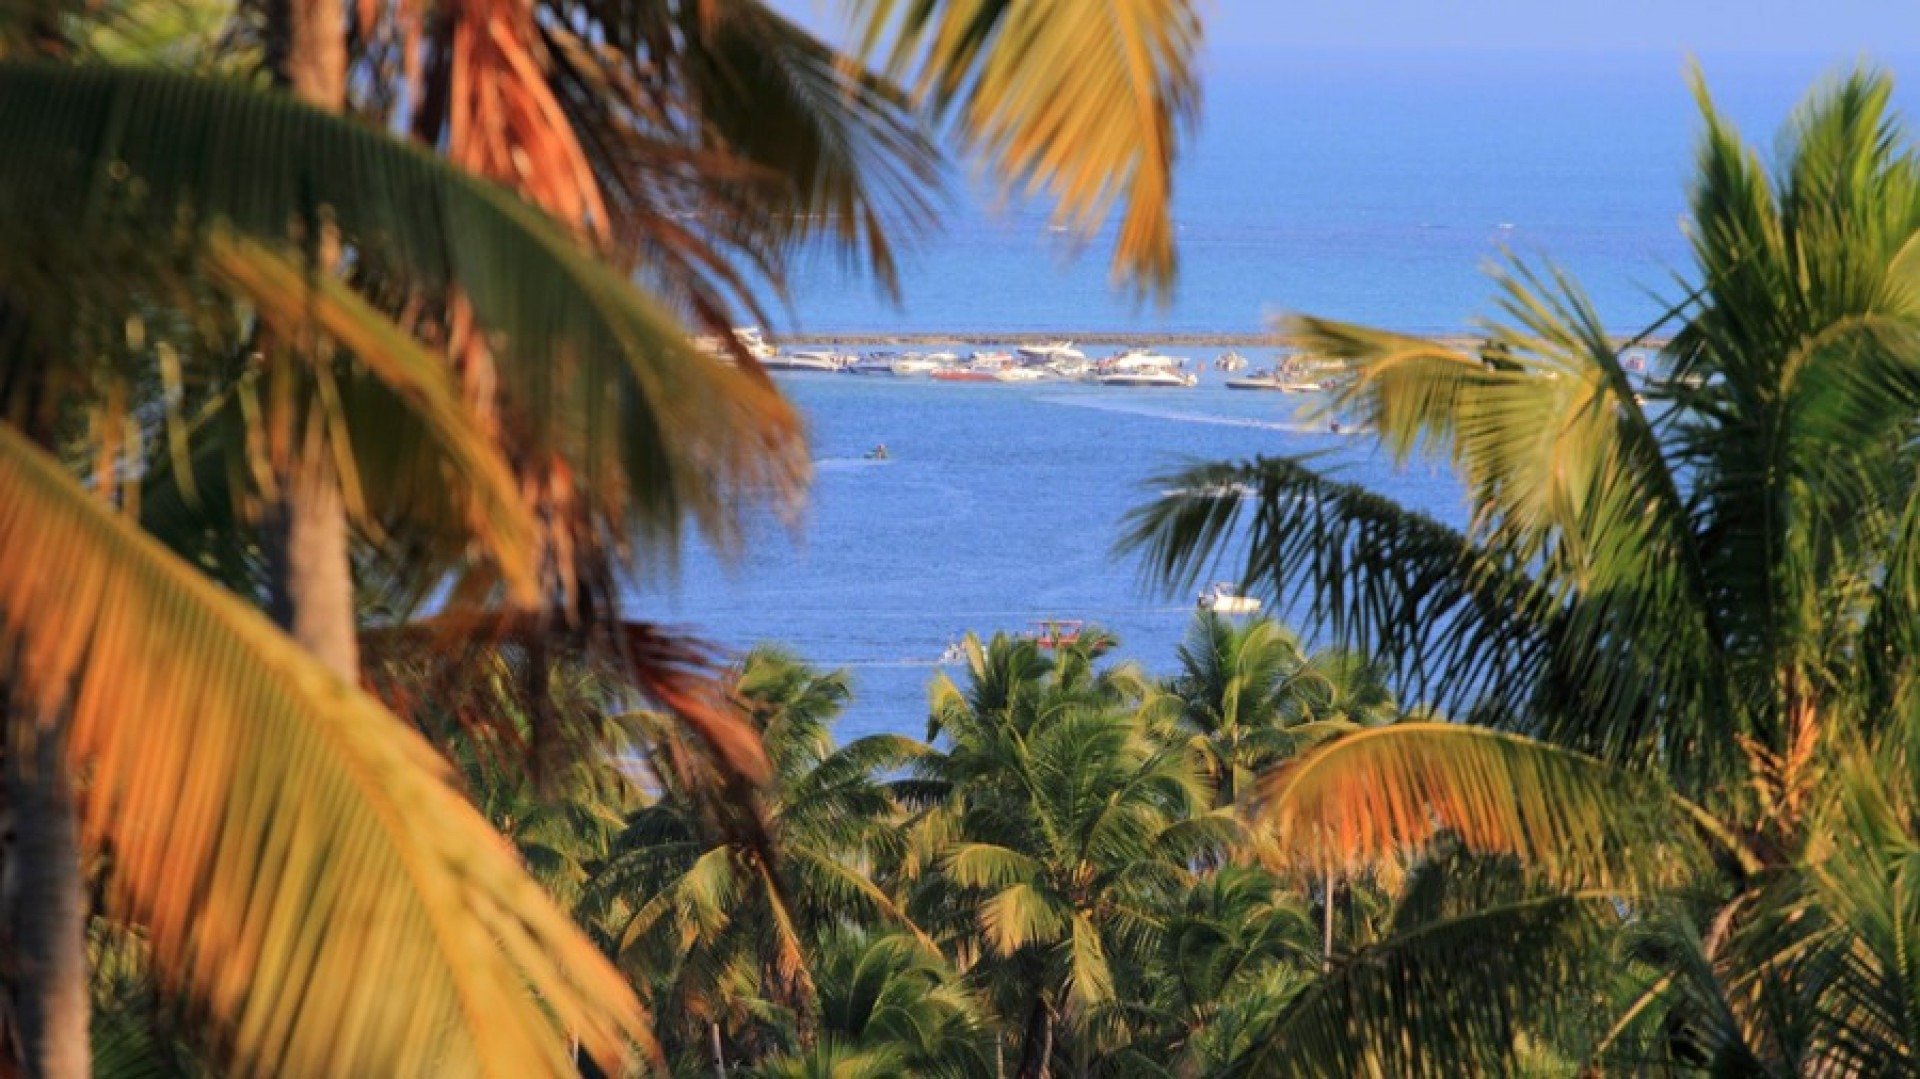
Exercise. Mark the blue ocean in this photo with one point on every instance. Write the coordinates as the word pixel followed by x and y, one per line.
pixel 1370 187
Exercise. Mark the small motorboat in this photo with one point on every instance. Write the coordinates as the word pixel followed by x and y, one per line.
pixel 1223 598
pixel 1258 380
pixel 878 453
pixel 1230 361
pixel 954 652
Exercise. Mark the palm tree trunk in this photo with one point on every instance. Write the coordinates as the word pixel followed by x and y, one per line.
pixel 306 44
pixel 47 912
pixel 42 890
pixel 719 1050
pixel 1036 1049
pixel 311 579
pixel 1326 938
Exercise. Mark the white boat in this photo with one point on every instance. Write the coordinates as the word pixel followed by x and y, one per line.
pixel 1143 369
pixel 1144 378
pixel 806 361
pixel 1049 352
pixel 745 337
pixel 1072 369
pixel 912 365
pixel 1021 374
pixel 1286 378
pixel 1222 598
pixel 1230 361
pixel 756 345
pixel 878 363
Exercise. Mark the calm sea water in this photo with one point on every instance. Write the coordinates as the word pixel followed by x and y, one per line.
pixel 1372 188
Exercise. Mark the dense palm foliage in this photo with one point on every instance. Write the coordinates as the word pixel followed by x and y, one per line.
pixel 1672 831
pixel 1050 885
pixel 1061 829
pixel 1250 697
pixel 723 912
pixel 1690 600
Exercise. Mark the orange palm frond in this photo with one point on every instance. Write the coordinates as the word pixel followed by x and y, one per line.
pixel 265 823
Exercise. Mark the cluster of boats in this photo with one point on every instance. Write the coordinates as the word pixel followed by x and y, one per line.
pixel 1056 361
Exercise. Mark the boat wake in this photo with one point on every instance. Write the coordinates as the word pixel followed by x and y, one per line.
pixel 1176 416
pixel 848 464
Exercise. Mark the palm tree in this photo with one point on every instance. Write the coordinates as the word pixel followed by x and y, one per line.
pixel 1055 831
pixel 232 679
pixel 1689 620
pixel 1236 948
pixel 889 999
pixel 100 148
pixel 1247 693
pixel 727 900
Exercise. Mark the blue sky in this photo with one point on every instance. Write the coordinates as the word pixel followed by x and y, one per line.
pixel 1838 27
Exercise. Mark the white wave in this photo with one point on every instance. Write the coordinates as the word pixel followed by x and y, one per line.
pixel 1176 416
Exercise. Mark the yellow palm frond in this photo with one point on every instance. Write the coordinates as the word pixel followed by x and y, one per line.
pixel 312 886
pixel 1082 99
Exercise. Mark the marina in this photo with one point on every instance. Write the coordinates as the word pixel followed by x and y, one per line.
pixel 1134 367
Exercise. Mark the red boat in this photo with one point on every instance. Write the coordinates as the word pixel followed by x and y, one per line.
pixel 1055 632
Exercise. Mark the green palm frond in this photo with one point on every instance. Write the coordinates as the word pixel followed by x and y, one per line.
pixel 296 303
pixel 262 822
pixel 1458 622
pixel 111 149
pixel 850 159
pixel 1449 997
pixel 1084 99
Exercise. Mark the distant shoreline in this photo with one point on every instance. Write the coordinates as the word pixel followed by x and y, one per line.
pixel 1118 338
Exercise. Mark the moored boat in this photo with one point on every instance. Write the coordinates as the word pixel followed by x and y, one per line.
pixel 1021 374
pixel 962 374
pixel 1144 378
pixel 876 363
pixel 1050 352
pixel 913 364
pixel 1230 361
pixel 1223 598
pixel 1143 369
pixel 745 338
pixel 1286 378
pixel 806 361
pixel 1050 633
